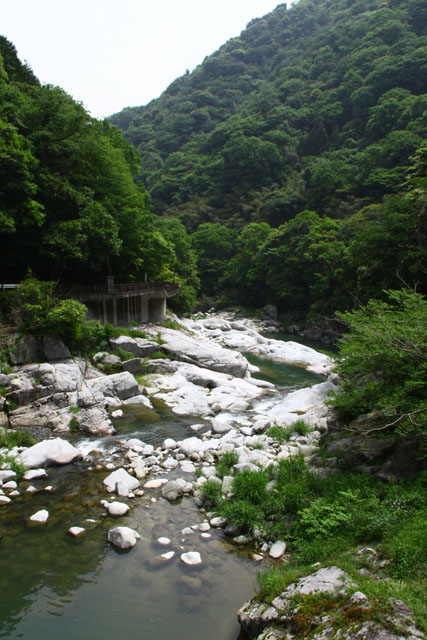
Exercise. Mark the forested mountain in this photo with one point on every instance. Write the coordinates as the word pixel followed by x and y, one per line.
pixel 319 107
pixel 69 205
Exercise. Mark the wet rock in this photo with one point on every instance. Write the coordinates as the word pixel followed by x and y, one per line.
pixel 218 521
pixel 123 537
pixel 172 490
pixel 139 468
pixel 191 584
pixel 49 452
pixel 4 499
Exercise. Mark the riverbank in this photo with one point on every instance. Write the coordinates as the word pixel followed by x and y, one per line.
pixel 152 483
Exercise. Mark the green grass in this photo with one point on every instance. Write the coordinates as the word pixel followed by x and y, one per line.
pixel 283 434
pixel 211 493
pixel 9 462
pixel 172 324
pixel 10 438
pixel 225 463
pixel 157 355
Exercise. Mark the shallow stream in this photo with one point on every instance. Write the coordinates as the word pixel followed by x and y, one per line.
pixel 55 586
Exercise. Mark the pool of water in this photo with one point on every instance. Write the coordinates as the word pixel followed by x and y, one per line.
pixel 283 375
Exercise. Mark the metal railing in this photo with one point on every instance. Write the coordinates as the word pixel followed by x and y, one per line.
pixel 84 291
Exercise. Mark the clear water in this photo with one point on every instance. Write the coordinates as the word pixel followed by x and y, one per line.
pixel 55 586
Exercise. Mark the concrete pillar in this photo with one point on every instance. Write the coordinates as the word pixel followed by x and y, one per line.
pixel 104 310
pixel 114 312
pixel 128 306
pixel 144 309
pixel 156 309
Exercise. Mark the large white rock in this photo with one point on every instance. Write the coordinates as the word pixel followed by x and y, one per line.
pixel 95 421
pixel 123 537
pixel 306 404
pixel 120 479
pixel 139 399
pixel 49 452
pixel 327 580
pixel 6 475
pixel 123 385
pixel 203 352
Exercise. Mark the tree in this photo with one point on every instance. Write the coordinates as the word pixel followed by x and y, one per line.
pixel 383 363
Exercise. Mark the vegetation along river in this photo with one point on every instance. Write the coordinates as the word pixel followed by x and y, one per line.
pixel 54 585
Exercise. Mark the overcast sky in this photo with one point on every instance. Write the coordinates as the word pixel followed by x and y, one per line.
pixel 110 54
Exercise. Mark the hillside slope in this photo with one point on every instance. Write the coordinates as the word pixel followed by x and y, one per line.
pixel 318 106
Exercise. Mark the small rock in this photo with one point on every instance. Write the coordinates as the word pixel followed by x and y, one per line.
pixel 277 550
pixel 76 531
pixel 172 491
pixel 123 537
pixel 118 413
pixel 32 474
pixel 40 516
pixel 11 484
pixel 191 558
pixel 204 526
pixel 164 541
pixel 218 521
pixel 4 500
pixel 31 489
pixel 155 484
pixel 168 555
pixel 117 509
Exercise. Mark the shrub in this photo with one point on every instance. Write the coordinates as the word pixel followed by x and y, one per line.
pixel 225 463
pixel 406 547
pixel 383 363
pixel 243 514
pixel 10 438
pixel 281 434
pixel 250 486
pixel 211 493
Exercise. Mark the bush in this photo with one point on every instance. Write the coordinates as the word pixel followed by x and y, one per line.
pixel 406 547
pixel 383 363
pixel 243 514
pixel 211 493
pixel 250 486
pixel 225 463
pixel 10 438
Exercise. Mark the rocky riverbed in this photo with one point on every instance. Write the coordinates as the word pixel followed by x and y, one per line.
pixel 207 376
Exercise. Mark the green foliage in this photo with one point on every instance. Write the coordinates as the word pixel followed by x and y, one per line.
pixel 243 514
pixel 250 486
pixel 10 462
pixel 123 354
pixel 406 546
pixel 384 362
pixel 225 463
pixel 19 438
pixel 281 434
pixel 211 493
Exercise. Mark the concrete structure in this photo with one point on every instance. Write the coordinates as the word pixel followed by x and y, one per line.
pixel 125 304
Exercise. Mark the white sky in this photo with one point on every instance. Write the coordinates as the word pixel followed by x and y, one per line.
pixel 110 54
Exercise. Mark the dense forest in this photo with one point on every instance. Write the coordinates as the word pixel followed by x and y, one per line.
pixel 288 168
pixel 290 155
pixel 70 208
